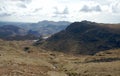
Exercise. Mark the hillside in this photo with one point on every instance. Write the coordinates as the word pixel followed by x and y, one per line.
pixel 44 28
pixel 11 32
pixel 20 58
pixel 47 28
pixel 85 38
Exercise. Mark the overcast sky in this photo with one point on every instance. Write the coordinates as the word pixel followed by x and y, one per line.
pixel 103 11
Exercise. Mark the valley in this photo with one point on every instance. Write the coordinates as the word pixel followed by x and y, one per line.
pixel 42 28
pixel 59 37
pixel 82 49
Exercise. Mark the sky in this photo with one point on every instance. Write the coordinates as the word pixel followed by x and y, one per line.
pixel 102 11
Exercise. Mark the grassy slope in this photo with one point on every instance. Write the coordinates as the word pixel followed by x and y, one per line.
pixel 14 61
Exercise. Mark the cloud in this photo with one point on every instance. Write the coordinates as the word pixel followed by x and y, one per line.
pixel 4 14
pixel 61 14
pixel 2 8
pixel 86 8
pixel 65 11
pixel 21 5
pixel 97 8
pixel 58 16
pixel 26 1
pixel 116 8
pixel 37 9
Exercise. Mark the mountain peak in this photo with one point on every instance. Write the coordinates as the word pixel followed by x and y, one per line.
pixel 83 38
pixel 85 21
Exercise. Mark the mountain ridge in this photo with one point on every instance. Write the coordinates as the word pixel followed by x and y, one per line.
pixel 11 32
pixel 44 28
pixel 84 38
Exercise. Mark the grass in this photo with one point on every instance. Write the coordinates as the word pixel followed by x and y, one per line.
pixel 15 61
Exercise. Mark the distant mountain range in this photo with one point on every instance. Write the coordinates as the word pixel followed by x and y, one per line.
pixel 84 38
pixel 22 31
pixel 11 32
pixel 44 28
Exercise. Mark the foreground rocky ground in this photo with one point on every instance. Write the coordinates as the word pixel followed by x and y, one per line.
pixel 20 58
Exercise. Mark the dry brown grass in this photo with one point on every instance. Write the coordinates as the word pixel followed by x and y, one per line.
pixel 15 61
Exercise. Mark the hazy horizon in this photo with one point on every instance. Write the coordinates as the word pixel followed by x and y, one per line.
pixel 32 11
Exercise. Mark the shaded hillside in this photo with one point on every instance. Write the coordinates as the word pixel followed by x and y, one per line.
pixel 85 38
pixel 11 32
pixel 44 28
pixel 19 30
